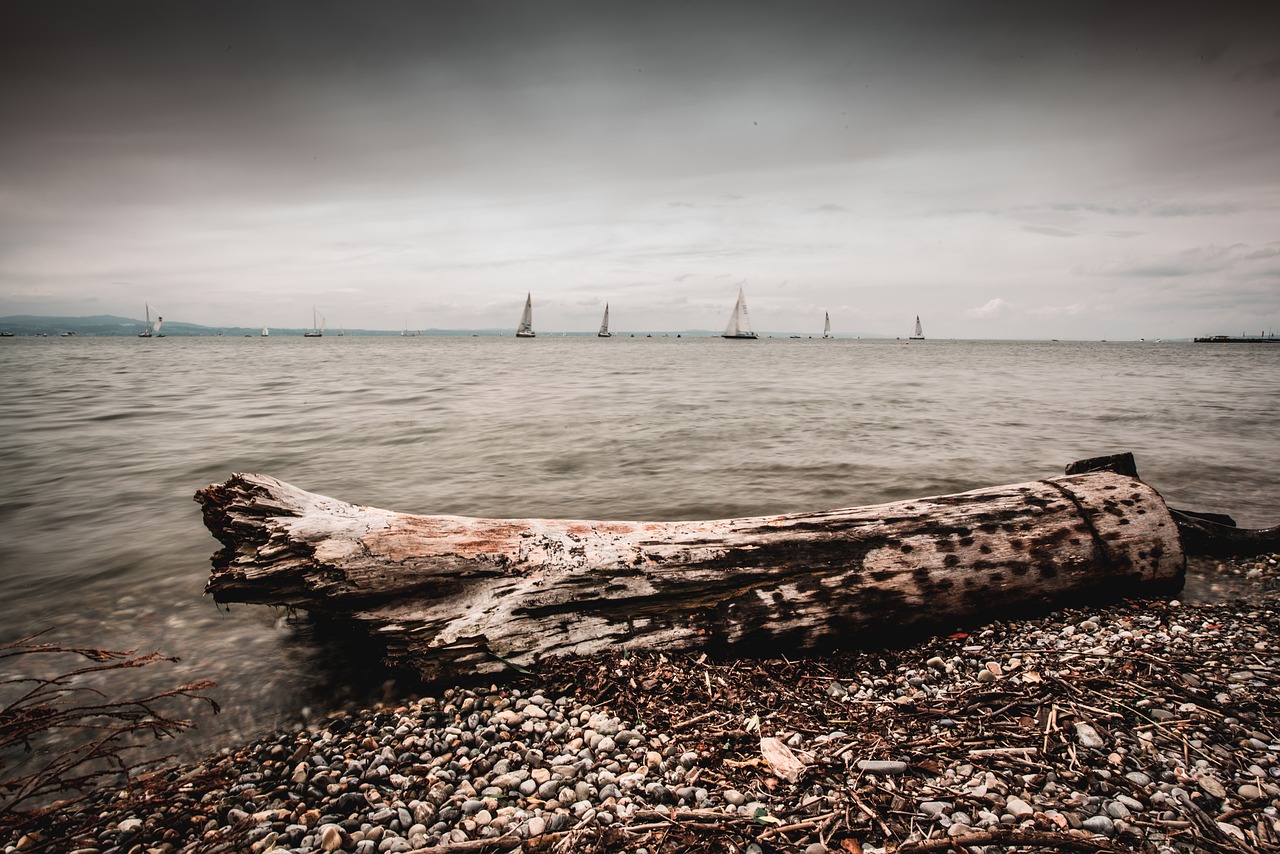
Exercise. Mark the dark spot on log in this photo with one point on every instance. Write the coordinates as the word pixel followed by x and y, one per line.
pixel 1018 569
pixel 997 577
pixel 1082 527
pixel 1016 544
pixel 882 574
pixel 985 549
pixel 1124 522
pixel 906 548
pixel 966 541
pixel 1075 541
pixel 944 545
pixel 1048 570
pixel 988 527
pixel 951 560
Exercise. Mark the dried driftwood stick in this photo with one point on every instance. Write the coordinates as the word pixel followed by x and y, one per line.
pixel 451 595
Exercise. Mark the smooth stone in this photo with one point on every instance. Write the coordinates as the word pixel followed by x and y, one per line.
pixel 1087 736
pixel 1099 824
pixel 1211 786
pixel 882 766
pixel 330 838
pixel 1018 808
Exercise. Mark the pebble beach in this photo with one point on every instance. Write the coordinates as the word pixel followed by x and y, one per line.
pixel 1142 726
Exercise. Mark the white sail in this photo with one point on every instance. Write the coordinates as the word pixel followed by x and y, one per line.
pixel 918 334
pixel 826 325
pixel 739 322
pixel 146 331
pixel 604 324
pixel 155 328
pixel 317 325
pixel 525 330
pixel 265 333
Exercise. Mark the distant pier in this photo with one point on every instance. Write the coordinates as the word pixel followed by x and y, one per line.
pixel 1266 338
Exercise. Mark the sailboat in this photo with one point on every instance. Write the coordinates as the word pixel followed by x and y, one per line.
pixel 604 324
pixel 153 329
pixel 918 334
pixel 265 333
pixel 826 325
pixel 317 325
pixel 739 323
pixel 525 330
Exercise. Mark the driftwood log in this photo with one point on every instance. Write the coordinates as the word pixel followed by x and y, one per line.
pixel 1213 534
pixel 453 596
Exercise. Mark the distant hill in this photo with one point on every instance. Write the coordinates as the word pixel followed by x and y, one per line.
pixel 111 326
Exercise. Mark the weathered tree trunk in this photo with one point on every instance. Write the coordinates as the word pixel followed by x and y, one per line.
pixel 1202 533
pixel 450 594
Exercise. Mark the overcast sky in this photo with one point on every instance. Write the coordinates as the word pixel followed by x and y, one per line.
pixel 1103 170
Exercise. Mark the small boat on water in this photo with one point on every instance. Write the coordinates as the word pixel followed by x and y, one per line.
pixel 265 333
pixel 317 325
pixel 604 324
pixel 525 329
pixel 826 324
pixel 918 333
pixel 739 323
pixel 152 330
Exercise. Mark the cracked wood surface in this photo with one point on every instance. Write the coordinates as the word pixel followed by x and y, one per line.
pixel 453 595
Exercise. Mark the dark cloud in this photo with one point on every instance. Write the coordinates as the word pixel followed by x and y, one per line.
pixel 1262 71
pixel 479 147
pixel 1212 48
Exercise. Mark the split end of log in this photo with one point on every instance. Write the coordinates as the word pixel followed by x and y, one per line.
pixel 1212 534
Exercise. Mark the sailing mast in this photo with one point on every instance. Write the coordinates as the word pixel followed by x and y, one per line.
pixel 525 330
pixel 826 324
pixel 317 325
pixel 918 334
pixel 604 324
pixel 146 333
pixel 739 323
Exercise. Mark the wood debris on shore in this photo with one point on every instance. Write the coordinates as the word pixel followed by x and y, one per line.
pixel 1136 727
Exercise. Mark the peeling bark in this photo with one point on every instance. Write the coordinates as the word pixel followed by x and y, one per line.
pixel 451 595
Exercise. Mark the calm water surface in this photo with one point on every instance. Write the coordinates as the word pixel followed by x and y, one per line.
pixel 104 441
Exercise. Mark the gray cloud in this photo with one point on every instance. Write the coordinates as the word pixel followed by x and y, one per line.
pixel 1049 231
pixel 212 157
pixel 1262 71
pixel 1187 262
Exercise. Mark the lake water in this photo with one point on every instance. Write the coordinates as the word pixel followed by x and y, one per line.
pixel 104 441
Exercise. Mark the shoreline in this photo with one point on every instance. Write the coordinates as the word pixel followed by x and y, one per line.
pixel 1150 726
